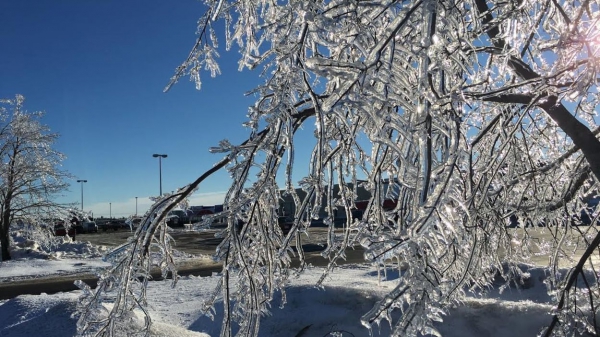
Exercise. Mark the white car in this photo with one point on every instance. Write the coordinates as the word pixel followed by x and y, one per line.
pixel 89 227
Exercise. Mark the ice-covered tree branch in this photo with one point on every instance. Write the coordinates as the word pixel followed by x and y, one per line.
pixel 449 116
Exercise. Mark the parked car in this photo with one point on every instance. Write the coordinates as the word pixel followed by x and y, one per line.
pixel 285 223
pixel 590 214
pixel 173 220
pixel 513 221
pixel 197 216
pixel 133 223
pixel 182 218
pixel 89 227
pixel 60 230
pixel 77 225
pixel 112 224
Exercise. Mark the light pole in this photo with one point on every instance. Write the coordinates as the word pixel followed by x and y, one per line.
pixel 135 206
pixel 160 157
pixel 110 210
pixel 82 181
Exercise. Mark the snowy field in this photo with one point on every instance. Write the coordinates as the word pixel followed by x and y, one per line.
pixel 349 292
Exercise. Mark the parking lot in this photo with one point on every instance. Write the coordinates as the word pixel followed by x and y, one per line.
pixel 204 242
pixel 200 242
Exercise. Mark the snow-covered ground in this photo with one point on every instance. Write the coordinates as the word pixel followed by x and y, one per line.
pixel 65 258
pixel 350 292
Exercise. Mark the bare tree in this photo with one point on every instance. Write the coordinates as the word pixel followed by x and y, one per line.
pixel 465 113
pixel 30 176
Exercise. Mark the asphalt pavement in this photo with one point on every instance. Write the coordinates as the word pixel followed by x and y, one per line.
pixel 186 241
pixel 205 243
pixel 55 284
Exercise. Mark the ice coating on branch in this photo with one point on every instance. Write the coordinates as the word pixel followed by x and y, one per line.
pixel 434 128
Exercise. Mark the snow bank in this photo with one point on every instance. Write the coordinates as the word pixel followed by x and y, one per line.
pixel 348 294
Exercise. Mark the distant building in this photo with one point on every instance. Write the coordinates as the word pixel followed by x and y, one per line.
pixel 197 212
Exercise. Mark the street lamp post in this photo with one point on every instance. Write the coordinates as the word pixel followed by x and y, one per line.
pixel 136 206
pixel 110 210
pixel 160 157
pixel 82 181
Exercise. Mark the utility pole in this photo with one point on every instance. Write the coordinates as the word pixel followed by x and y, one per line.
pixel 82 181
pixel 160 157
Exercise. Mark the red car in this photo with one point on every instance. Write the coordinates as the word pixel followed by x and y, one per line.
pixel 60 230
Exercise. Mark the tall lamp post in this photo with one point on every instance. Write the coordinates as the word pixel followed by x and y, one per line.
pixel 110 210
pixel 135 206
pixel 82 181
pixel 160 157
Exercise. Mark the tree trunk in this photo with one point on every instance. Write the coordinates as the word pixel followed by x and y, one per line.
pixel 4 241
pixel 5 228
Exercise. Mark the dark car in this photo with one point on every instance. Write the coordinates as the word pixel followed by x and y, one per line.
pixel 177 217
pixel 513 221
pixel 586 216
pixel 77 225
pixel 90 227
pixel 285 223
pixel 590 214
pixel 133 223
pixel 173 220
pixel 60 230
pixel 112 224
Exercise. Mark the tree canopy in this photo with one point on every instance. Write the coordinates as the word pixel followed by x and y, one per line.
pixel 465 113
pixel 30 174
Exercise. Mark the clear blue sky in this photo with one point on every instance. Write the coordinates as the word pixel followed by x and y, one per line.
pixel 98 68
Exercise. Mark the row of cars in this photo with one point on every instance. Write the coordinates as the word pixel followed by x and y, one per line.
pixel 117 224
pixel 76 226
pixel 585 217
pixel 175 218
pixel 80 227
